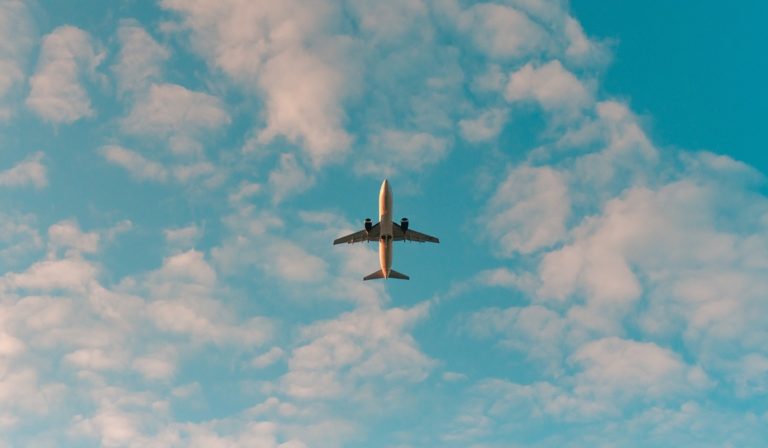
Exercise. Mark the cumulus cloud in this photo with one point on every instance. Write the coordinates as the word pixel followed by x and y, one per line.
pixel 485 127
pixel 160 365
pixel 183 289
pixel 550 85
pixel 137 165
pixel 66 274
pixel 305 109
pixel 388 23
pixel 67 235
pixel 26 396
pixel 394 150
pixel 502 31
pixel 288 178
pixel 528 210
pixel 292 263
pixel 140 58
pixel 96 359
pixel 19 238
pixel 57 95
pixel 303 90
pixel 16 37
pixel 174 112
pixel 615 368
pixel 31 171
pixel 357 347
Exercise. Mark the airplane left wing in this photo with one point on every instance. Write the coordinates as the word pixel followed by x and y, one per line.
pixel 411 235
pixel 358 237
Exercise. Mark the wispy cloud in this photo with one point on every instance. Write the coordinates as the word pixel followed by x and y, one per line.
pixel 30 172
pixel 137 165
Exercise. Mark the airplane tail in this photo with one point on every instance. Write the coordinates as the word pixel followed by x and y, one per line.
pixel 380 274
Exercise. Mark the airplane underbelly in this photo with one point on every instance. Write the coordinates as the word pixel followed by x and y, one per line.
pixel 385 255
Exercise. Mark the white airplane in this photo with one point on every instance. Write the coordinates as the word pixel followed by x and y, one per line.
pixel 386 231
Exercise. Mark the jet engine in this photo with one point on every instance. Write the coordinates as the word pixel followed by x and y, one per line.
pixel 368 224
pixel 404 224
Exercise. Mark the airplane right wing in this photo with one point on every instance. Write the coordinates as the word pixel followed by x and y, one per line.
pixel 358 237
pixel 411 235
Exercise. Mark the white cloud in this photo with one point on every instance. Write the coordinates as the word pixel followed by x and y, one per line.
pixel 612 376
pixel 631 229
pixel 68 274
pixel 187 173
pixel 15 42
pixel 392 21
pixel 626 156
pixel 188 267
pixel 23 395
pixel 286 52
pixel 183 289
pixel 580 46
pixel 183 236
pixel 67 234
pixel 18 237
pixel 10 345
pixel 551 85
pixel 485 127
pixel 160 365
pixel 292 263
pixel 356 348
pixel 31 171
pixel 121 227
pixel 267 359
pixel 528 210
pixel 139 60
pixel 245 190
pixel 96 359
pixel 174 112
pixel 614 368
pixel 289 178
pixel 303 104
pixel 502 31
pixel 535 331
pixel 393 150
pixel 137 165
pixel 56 94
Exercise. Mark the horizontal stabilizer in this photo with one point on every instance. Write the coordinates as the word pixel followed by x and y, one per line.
pixel 394 274
pixel 374 275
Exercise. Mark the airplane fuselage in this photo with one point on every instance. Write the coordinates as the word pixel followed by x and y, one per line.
pixel 385 220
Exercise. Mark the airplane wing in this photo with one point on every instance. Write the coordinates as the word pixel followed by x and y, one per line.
pixel 411 235
pixel 358 237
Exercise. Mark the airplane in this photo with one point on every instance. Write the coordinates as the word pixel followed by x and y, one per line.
pixel 386 231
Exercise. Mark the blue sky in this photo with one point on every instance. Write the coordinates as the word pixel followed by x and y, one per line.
pixel 173 174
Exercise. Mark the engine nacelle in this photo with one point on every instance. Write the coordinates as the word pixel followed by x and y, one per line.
pixel 404 224
pixel 368 224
